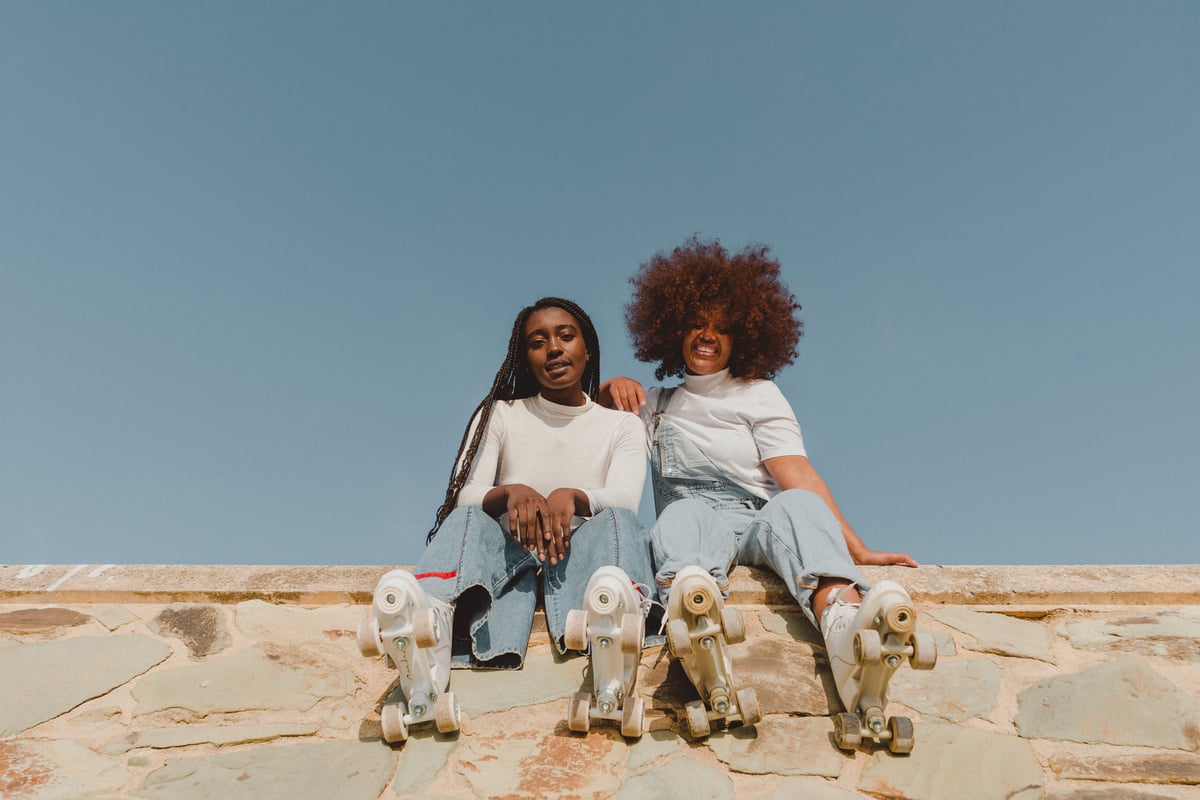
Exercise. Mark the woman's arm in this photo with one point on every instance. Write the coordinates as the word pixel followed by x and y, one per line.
pixel 621 393
pixel 797 472
pixel 625 478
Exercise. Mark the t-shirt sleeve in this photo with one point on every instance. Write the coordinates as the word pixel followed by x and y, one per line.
pixel 776 431
pixel 484 468
pixel 626 474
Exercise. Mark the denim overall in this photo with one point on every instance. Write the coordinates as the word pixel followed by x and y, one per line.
pixel 706 519
pixel 474 564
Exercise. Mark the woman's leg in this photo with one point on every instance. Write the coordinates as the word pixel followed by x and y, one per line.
pixel 798 537
pixel 613 536
pixel 691 533
pixel 490 579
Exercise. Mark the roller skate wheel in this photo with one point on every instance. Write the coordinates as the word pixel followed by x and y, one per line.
pixel 901 618
pixel 391 598
pixel 605 597
pixel 697 599
pixel 847 731
pixel 392 719
pixel 575 635
pixel 631 634
pixel 924 651
pixel 679 638
pixel 633 717
pixel 446 713
pixel 425 628
pixel 368 637
pixel 748 706
pixel 735 629
pixel 901 729
pixel 579 712
pixel 697 719
pixel 868 647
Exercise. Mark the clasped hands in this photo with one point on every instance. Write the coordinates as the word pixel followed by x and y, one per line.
pixel 542 525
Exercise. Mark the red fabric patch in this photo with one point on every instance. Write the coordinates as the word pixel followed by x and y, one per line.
pixel 443 575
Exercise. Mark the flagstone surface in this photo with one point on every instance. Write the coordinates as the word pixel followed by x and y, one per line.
pixel 1062 683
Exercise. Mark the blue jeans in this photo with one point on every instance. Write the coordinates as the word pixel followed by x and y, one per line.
pixel 475 565
pixel 709 521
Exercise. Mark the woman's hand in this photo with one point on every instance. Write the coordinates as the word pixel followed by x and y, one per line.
pixel 527 511
pixel 623 394
pixel 561 506
pixel 882 559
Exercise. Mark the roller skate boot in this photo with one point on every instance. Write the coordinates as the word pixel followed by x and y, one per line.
pixel 867 644
pixel 413 630
pixel 700 629
pixel 612 626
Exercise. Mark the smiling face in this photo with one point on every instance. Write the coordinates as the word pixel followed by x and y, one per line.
pixel 557 355
pixel 707 343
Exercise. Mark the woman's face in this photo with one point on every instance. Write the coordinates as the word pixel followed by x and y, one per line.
pixel 557 355
pixel 707 343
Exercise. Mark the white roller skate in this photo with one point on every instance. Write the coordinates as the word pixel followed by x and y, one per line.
pixel 612 624
pixel 866 644
pixel 700 629
pixel 414 630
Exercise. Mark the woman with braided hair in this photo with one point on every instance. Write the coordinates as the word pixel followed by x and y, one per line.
pixel 545 482
pixel 733 484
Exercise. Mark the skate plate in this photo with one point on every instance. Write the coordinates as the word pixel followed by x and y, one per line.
pixel 611 627
pixel 885 639
pixel 405 626
pixel 700 629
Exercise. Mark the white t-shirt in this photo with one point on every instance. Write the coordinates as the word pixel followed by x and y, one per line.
pixel 548 446
pixel 738 423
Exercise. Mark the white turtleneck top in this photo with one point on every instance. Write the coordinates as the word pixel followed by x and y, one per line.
pixel 738 423
pixel 548 446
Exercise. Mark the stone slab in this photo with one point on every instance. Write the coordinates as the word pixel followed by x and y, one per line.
pixel 540 759
pixel 1120 702
pixel 201 628
pixel 999 634
pixel 1002 767
pixel 1170 633
pixel 291 624
pixel 679 777
pixel 957 690
pixel 771 747
pixel 1175 768
pixel 345 770
pixel 544 678
pixel 56 770
pixel 44 680
pixel 258 678
pixel 421 759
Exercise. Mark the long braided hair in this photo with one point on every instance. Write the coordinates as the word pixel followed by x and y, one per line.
pixel 515 381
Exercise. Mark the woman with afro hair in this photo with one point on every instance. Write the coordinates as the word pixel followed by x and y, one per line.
pixel 732 480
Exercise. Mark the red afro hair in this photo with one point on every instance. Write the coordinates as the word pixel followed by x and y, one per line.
pixel 671 288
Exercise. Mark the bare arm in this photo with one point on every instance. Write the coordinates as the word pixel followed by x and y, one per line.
pixel 621 393
pixel 797 472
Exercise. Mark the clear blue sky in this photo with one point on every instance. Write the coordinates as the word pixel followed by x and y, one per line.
pixel 259 261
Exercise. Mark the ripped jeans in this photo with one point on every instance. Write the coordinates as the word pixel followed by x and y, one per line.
pixel 474 564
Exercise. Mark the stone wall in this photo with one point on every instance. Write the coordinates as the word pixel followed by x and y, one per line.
pixel 1078 683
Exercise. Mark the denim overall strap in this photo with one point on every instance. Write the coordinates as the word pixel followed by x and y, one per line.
pixel 680 469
